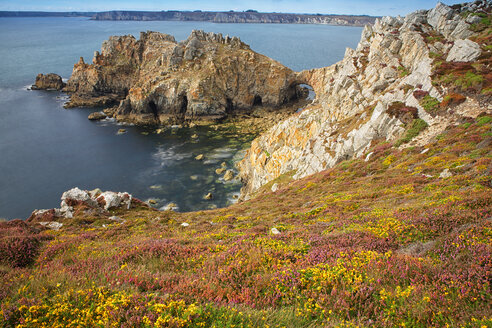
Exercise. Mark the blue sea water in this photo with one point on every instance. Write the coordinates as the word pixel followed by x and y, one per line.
pixel 46 149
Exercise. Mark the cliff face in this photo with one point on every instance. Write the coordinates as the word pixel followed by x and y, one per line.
pixel 378 91
pixel 236 17
pixel 161 81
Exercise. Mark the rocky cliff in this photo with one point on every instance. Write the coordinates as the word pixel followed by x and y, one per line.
pixel 156 80
pixel 406 74
pixel 236 17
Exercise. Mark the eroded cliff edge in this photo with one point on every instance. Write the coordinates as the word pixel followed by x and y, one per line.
pixel 156 80
pixel 406 73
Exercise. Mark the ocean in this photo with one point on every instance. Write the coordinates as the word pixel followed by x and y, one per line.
pixel 46 149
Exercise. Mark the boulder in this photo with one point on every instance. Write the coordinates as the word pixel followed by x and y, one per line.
pixel 199 157
pixel 53 225
pixel 208 196
pixel 94 200
pixel 111 199
pixel 96 116
pixel 445 174
pixel 464 51
pixel 49 81
pixel 229 175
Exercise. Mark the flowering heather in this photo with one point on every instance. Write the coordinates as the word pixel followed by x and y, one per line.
pixel 382 243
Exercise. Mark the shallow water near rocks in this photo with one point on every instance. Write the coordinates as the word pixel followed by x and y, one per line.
pixel 46 149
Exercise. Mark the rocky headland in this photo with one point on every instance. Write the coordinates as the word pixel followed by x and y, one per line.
pixel 156 80
pixel 428 69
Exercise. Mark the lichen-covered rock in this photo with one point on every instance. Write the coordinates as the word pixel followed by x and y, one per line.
pixel 49 81
pixel 156 80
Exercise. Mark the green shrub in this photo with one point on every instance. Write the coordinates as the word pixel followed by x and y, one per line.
pixel 469 80
pixel 403 71
pixel 418 125
pixel 484 120
pixel 430 104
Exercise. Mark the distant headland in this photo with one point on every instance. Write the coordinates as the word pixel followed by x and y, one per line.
pixel 249 16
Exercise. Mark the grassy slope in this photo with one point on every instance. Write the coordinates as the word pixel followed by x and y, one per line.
pixel 384 242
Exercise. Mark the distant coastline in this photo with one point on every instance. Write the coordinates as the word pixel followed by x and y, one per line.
pixel 46 14
pixel 249 16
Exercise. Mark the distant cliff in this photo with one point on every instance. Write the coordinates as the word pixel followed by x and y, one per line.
pixel 236 17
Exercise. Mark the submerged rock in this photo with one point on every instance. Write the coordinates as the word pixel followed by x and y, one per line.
pixel 170 207
pixel 219 171
pixel 229 175
pixel 49 81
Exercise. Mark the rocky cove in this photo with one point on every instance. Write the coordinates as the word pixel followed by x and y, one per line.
pixel 374 93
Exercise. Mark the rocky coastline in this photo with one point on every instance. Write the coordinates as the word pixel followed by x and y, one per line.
pixel 379 91
pixel 387 224
pixel 229 17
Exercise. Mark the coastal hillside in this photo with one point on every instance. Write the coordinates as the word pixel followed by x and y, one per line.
pixel 402 239
pixel 249 16
pixel 371 207
pixel 408 76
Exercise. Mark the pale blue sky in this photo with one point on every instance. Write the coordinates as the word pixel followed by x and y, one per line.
pixel 369 7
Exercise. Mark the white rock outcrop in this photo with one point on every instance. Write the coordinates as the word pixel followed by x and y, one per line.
pixel 392 60
pixel 464 51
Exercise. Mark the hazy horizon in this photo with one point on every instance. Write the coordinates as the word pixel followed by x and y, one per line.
pixel 327 7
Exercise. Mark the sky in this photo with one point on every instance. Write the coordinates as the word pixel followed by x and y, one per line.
pixel 352 7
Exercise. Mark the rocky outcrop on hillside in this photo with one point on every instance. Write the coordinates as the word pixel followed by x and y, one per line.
pixel 49 81
pixel 236 17
pixel 378 91
pixel 156 80
pixel 75 200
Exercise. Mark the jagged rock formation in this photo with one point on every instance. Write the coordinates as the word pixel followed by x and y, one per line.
pixel 162 81
pixel 236 17
pixel 49 81
pixel 373 93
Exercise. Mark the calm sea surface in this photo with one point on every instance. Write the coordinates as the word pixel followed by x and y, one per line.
pixel 45 149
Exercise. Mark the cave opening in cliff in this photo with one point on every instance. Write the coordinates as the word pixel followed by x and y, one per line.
pixel 153 109
pixel 257 101
pixel 301 91
pixel 229 106
pixel 184 104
